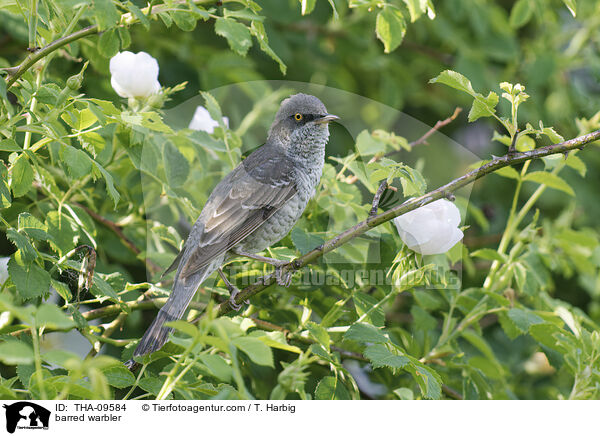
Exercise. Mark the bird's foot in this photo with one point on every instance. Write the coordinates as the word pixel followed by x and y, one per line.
pixel 233 291
pixel 283 275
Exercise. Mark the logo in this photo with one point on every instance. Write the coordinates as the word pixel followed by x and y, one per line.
pixel 26 415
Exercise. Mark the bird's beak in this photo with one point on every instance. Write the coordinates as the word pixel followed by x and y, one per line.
pixel 327 118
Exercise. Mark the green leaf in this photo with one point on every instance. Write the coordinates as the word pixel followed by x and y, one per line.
pixel 62 358
pixel 258 30
pixel 454 80
pixel 256 350
pixel 108 43
pixel 330 388
pixel 521 13
pixel 365 333
pixel 118 376
pixel 304 241
pixel 15 353
pixel 572 5
pixel 110 185
pixel 48 315
pixel 137 13
pixel 549 179
pixel 390 28
pixel 5 197
pixel 508 172
pixel 62 230
pixel 9 145
pixel 380 356
pixel 78 162
pixel 364 303
pixel 184 20
pixel 524 318
pixel 218 367
pixel 483 107
pixel 31 280
pixel 177 167
pixel 367 145
pixel 307 6
pixel 26 250
pixel 105 13
pixel 62 289
pixel 319 333
pixel 22 177
pixel 237 35
pixel 184 327
pixel 428 380
pixel 489 254
pixel 32 227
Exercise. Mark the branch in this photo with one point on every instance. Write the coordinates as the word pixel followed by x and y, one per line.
pixel 118 231
pixel 412 204
pixel 126 19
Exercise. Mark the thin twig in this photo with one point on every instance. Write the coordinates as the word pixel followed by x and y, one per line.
pixel 414 203
pixel 126 19
pixel 118 231
pixel 435 128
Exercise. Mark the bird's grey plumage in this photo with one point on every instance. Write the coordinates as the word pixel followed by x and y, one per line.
pixel 253 207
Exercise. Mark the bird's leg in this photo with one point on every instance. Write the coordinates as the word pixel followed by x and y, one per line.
pixel 233 291
pixel 283 279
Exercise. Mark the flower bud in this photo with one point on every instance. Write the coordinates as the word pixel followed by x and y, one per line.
pixel 134 75
pixel 430 229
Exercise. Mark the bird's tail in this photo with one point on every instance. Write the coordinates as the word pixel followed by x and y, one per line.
pixel 183 291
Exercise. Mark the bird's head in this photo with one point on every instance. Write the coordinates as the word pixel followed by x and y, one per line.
pixel 301 120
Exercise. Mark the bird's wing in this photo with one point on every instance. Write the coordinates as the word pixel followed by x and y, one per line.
pixel 242 201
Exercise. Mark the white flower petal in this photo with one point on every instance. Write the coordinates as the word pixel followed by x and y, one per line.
pixel 134 75
pixel 430 229
pixel 203 121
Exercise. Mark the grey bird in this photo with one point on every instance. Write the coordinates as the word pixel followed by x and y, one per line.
pixel 252 208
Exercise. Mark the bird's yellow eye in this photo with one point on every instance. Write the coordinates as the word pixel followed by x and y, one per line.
pixel 298 117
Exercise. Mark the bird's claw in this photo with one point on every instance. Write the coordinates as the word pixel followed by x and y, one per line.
pixel 283 278
pixel 235 306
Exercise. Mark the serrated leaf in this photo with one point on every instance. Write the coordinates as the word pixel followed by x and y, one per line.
pixel 483 107
pixel 429 382
pixel 524 318
pixel 108 43
pixel 51 316
pixel 258 30
pixel 390 28
pixel 330 388
pixel 184 20
pixel 15 353
pixel 380 356
pixel 26 250
pixel 105 13
pixel 237 35
pixel 319 333
pixel 5 197
pixel 177 167
pixel 454 80
pixel 21 177
pixel 218 367
pixel 364 303
pixel 256 350
pixel 118 376
pixel 9 145
pixel 365 333
pixel 549 179
pixel 110 185
pixel 137 13
pixel 78 162
pixel 62 230
pixel 32 227
pixel 303 241
pixel 31 281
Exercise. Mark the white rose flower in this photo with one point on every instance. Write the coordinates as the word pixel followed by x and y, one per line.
pixel 134 74
pixel 430 229
pixel 203 121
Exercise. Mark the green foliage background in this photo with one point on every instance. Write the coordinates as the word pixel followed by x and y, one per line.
pixel 83 167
